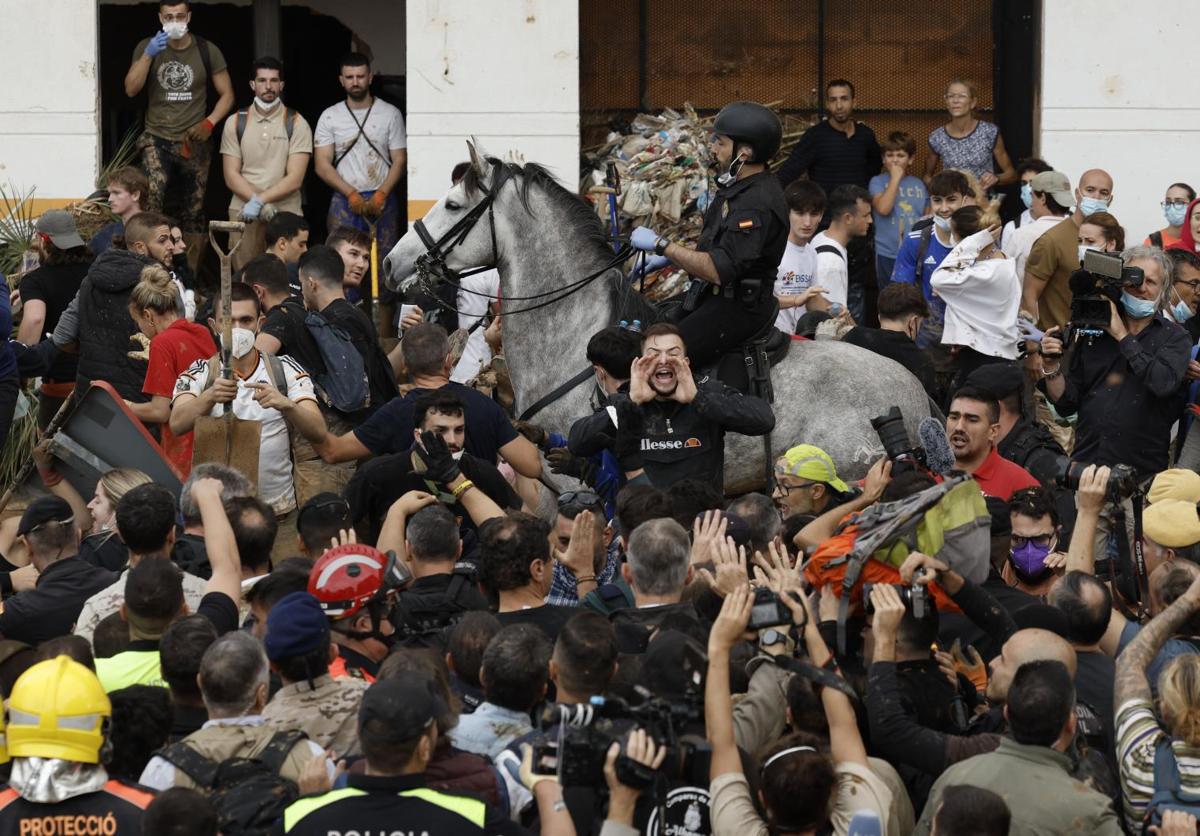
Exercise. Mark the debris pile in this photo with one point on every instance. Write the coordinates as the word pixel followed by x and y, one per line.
pixel 666 177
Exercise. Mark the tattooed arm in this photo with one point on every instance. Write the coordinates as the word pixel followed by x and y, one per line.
pixel 1131 679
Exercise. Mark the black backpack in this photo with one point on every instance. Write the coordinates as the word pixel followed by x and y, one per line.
pixel 424 619
pixel 248 794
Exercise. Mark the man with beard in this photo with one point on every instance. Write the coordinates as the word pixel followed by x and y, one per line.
pixel 265 150
pixel 973 424
pixel 731 295
pixel 361 152
pixel 806 482
pixel 679 422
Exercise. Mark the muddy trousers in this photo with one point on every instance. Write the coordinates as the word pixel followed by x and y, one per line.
pixel 178 174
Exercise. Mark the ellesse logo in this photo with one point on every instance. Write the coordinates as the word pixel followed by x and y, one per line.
pixel 692 442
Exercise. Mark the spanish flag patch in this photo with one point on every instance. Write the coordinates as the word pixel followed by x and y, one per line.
pixel 746 224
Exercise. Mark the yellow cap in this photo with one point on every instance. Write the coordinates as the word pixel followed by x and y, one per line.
pixel 808 462
pixel 57 710
pixel 1172 523
pixel 1176 483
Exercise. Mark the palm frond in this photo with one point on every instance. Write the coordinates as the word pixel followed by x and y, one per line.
pixel 16 226
pixel 125 154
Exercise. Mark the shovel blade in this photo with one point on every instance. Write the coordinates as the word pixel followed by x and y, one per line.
pixel 230 441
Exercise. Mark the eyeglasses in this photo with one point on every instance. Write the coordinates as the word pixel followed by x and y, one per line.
pixel 1167 203
pixel 1019 542
pixel 1194 284
pixel 787 489
pixel 957 97
pixel 578 499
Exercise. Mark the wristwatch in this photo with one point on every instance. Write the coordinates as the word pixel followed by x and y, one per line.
pixel 660 246
pixel 771 637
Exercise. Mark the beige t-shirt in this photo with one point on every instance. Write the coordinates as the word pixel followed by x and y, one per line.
pixel 264 151
pixel 176 87
pixel 732 810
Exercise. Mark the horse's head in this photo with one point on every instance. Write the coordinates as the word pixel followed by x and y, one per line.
pixel 456 234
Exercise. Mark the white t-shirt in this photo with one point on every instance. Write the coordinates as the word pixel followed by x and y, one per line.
pixel 471 308
pixel 1022 241
pixel 797 269
pixel 275 486
pixel 1011 229
pixel 364 167
pixel 831 269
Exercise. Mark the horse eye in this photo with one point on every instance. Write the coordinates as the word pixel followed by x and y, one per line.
pixel 452 206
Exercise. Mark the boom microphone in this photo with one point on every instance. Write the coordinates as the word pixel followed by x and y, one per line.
pixel 938 453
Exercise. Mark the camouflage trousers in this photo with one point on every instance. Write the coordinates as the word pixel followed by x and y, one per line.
pixel 178 175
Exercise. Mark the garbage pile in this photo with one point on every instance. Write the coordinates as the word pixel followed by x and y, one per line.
pixel 666 177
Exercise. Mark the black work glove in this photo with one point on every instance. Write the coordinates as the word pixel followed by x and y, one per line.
pixel 562 462
pixel 440 466
pixel 536 435
pixel 631 427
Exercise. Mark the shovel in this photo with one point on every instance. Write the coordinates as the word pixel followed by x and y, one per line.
pixel 229 440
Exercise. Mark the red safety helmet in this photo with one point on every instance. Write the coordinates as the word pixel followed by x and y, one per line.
pixel 349 577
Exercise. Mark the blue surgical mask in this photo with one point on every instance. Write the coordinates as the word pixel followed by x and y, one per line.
pixel 1135 307
pixel 1175 213
pixel 1027 195
pixel 1092 205
pixel 1181 312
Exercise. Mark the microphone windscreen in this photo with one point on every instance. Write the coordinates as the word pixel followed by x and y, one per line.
pixel 938 452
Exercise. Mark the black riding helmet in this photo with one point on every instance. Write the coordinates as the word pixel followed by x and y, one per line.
pixel 753 124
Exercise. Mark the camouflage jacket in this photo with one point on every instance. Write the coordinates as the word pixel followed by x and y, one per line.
pixel 108 600
pixel 327 712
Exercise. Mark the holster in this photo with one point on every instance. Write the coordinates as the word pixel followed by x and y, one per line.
pixel 691 296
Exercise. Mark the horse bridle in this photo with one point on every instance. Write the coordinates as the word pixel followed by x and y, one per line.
pixel 433 262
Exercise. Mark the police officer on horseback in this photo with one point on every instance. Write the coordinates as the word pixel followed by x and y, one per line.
pixel 733 267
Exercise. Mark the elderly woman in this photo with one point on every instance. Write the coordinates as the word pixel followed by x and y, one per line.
pixel 967 142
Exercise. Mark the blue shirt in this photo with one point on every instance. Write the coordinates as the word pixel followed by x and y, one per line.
pixel 905 271
pixel 890 229
pixel 103 238
pixel 8 359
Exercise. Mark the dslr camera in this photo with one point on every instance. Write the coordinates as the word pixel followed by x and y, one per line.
pixel 914 596
pixel 896 443
pixel 1101 280
pixel 1122 479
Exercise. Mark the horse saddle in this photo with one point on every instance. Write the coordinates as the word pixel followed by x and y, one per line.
pixel 748 367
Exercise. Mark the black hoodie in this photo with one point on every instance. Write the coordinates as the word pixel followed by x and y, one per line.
pixel 105 326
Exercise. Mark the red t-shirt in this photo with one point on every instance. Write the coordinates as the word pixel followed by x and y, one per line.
pixel 999 477
pixel 171 352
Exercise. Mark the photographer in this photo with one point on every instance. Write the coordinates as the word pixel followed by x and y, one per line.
pixel 1126 385
pixel 802 789
pixel 622 800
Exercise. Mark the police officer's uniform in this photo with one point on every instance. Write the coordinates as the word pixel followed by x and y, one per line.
pixel 745 233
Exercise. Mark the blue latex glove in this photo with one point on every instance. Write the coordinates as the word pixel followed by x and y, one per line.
pixel 1029 331
pixel 253 206
pixel 643 238
pixel 157 44
pixel 647 266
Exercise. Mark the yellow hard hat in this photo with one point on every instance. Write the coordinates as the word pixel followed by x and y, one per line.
pixel 57 710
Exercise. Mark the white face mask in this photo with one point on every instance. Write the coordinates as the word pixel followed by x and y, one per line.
pixel 940 222
pixel 267 106
pixel 458 455
pixel 175 30
pixel 243 342
pixel 1083 248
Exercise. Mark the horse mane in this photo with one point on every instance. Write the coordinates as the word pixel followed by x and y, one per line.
pixel 580 217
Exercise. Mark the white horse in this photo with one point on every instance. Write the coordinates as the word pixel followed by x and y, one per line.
pixel 545 243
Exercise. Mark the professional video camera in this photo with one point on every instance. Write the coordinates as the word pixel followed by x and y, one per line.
pixel 585 732
pixel 1101 280
pixel 1122 479
pixel 914 597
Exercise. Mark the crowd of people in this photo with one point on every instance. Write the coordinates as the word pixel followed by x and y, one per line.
pixel 416 612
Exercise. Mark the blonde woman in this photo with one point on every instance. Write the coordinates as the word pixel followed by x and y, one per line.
pixel 95 519
pixel 967 142
pixel 175 344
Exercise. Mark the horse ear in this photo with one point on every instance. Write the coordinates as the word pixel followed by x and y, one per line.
pixel 478 159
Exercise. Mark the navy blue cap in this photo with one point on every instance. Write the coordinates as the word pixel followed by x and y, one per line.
pixel 296 626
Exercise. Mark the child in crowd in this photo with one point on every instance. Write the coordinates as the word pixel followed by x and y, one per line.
pixel 898 199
